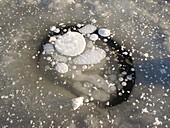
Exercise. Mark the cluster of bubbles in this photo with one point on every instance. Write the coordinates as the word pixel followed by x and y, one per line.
pixel 88 60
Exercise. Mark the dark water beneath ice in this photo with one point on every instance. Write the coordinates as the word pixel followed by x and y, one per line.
pixel 27 101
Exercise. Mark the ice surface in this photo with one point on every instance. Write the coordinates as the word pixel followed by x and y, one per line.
pixel 138 25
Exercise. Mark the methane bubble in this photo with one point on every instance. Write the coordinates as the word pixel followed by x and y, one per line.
pixel 88 70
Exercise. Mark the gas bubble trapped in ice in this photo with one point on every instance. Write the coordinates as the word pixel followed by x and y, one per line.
pixel 87 61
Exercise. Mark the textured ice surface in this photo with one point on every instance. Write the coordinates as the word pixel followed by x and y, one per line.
pixel 26 101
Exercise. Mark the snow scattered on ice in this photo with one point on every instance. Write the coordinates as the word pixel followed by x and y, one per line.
pixel 54 29
pixel 77 102
pixel 145 110
pixel 146 55
pixel 157 122
pixel 4 97
pixel 142 96
pixel 40 78
pixel 163 71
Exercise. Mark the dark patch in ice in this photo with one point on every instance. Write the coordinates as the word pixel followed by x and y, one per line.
pixel 126 64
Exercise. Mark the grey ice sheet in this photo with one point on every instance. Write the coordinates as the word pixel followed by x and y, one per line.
pixel 29 99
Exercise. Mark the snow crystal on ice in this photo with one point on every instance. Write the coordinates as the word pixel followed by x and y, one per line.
pixel 157 122
pixel 77 102
pixel 54 29
pixel 4 97
pixel 145 110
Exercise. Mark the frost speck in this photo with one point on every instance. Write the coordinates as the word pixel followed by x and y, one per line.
pixel 145 110
pixel 163 71
pixel 54 29
pixel 157 121
pixel 40 78
pixel 4 97
pixel 146 55
pixel 77 102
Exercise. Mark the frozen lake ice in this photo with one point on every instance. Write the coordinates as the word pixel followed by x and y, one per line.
pixel 29 99
pixel 99 70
